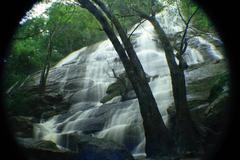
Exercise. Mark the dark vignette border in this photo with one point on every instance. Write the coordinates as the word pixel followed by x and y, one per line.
pixel 224 16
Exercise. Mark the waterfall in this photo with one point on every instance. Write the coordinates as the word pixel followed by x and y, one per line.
pixel 84 75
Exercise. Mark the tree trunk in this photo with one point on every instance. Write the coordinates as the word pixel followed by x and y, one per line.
pixel 126 41
pixel 42 77
pixel 158 140
pixel 187 136
pixel 46 67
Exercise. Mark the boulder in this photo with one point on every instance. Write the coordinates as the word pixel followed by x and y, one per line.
pixel 44 150
pixel 220 86
pixel 216 120
pixel 219 100
pixel 215 114
pixel 82 147
pixel 33 143
pixel 109 97
pixel 22 126
pixel 88 148
pixel 37 105
pixel 121 87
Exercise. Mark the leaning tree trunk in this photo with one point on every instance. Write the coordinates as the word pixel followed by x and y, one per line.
pixel 187 136
pixel 125 39
pixel 158 140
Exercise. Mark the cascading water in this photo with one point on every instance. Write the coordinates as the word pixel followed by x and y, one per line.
pixel 84 76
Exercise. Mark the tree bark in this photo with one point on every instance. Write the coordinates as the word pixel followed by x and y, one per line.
pixel 158 140
pixel 186 133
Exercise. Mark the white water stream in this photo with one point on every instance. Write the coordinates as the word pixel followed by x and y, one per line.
pixel 83 78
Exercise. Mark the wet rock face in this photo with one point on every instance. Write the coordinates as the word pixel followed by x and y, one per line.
pixel 97 119
pixel 76 84
pixel 119 119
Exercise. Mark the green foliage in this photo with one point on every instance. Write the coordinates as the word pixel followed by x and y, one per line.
pixel 24 59
pixel 125 10
pixel 72 28
pixel 200 20
pixel 75 30
pixel 122 9
pixel 21 103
